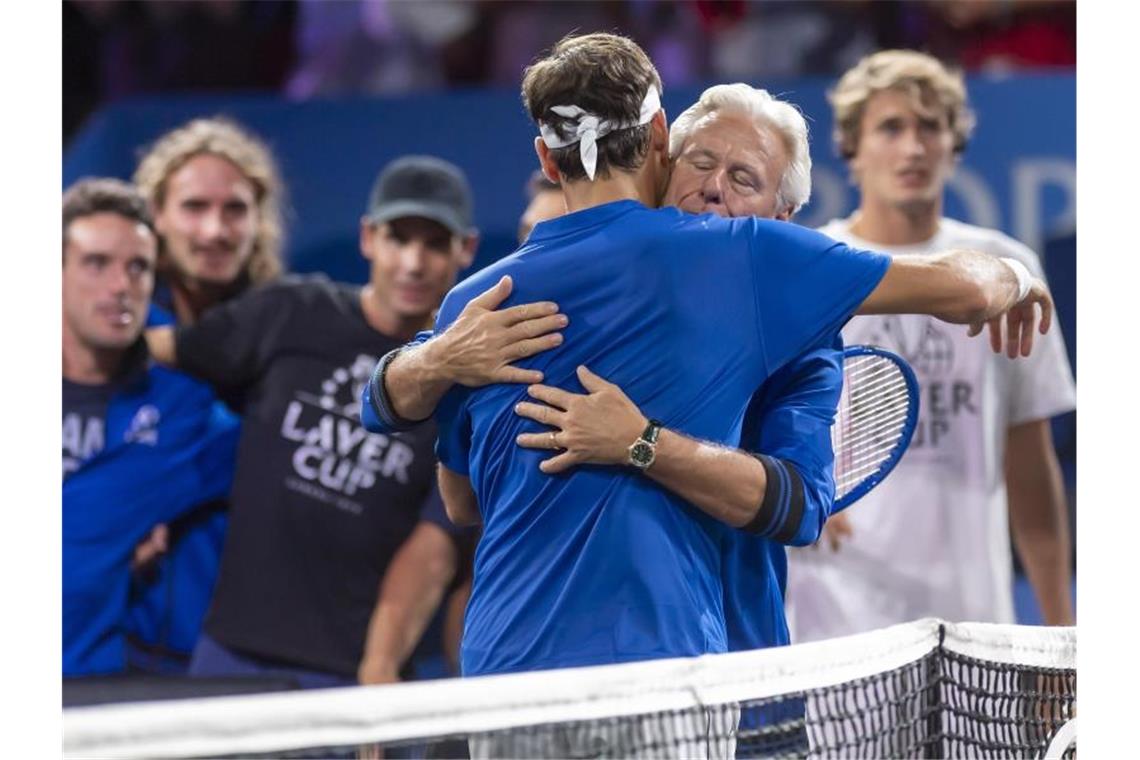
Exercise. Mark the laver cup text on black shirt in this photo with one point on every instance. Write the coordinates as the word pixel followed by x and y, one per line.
pixel 319 505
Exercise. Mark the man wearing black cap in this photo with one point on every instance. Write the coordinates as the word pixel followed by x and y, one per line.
pixel 322 509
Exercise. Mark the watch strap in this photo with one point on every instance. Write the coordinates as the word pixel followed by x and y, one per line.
pixel 652 431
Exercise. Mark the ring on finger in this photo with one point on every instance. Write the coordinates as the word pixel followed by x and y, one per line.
pixel 554 440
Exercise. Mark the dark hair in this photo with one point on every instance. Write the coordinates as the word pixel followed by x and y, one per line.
pixel 604 74
pixel 103 195
pixel 538 183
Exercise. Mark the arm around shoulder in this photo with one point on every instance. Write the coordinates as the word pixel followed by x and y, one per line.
pixel 957 286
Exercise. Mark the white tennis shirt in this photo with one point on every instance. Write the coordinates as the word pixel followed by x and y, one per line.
pixel 933 538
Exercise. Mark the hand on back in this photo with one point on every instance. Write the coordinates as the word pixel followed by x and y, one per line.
pixel 479 348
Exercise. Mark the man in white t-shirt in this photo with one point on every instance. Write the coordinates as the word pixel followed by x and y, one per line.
pixel 933 539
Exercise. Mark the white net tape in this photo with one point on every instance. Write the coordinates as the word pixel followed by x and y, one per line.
pixel 380 714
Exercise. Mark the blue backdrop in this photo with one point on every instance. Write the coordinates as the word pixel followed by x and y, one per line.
pixel 1018 174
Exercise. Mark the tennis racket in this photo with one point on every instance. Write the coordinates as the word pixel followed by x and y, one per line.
pixel 875 420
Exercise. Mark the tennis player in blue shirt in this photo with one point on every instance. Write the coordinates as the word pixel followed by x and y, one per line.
pixel 689 315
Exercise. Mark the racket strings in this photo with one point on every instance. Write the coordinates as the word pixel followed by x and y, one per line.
pixel 872 417
pixel 879 412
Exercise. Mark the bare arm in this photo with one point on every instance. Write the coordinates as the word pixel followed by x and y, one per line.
pixel 599 428
pixel 160 343
pixel 728 484
pixel 1038 518
pixel 453 623
pixel 458 497
pixel 476 350
pixel 956 286
pixel 410 593
pixel 964 287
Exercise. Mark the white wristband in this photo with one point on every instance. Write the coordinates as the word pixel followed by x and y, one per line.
pixel 1024 279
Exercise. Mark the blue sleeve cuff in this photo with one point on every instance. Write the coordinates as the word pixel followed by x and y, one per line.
pixel 782 509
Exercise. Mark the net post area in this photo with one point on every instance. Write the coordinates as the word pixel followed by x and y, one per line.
pixel 922 689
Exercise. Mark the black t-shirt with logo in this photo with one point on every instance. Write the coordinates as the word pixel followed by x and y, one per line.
pixel 319 504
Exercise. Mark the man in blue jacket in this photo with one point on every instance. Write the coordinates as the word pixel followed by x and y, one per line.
pixel 141 444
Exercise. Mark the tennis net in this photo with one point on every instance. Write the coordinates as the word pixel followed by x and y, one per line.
pixel 923 689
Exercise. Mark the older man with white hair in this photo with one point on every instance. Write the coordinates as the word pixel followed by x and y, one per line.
pixel 738 151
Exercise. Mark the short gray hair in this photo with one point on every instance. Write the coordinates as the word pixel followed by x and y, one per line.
pixel 784 117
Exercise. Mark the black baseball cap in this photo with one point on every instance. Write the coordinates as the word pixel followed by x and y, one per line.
pixel 422 186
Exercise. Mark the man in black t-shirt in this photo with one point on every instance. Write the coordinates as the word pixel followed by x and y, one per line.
pixel 321 509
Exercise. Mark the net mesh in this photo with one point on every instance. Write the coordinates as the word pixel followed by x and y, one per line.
pixel 926 689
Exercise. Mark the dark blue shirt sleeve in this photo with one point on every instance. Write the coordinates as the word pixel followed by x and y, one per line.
pixel 788 424
pixel 807 286
pixel 376 413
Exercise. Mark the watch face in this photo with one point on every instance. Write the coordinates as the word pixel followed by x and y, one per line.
pixel 641 454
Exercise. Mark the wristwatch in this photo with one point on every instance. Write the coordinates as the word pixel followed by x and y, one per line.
pixel 643 451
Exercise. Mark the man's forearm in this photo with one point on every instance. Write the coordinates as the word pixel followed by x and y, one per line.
pixel 1039 520
pixel 1045 556
pixel 959 286
pixel 412 590
pixel 759 494
pixel 416 380
pixel 725 483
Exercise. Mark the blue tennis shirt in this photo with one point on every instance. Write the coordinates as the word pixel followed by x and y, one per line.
pixel 789 418
pixel 689 315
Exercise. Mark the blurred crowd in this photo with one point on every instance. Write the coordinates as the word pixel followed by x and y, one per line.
pixel 312 48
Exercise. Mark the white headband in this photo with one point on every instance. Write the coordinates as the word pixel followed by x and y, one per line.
pixel 588 128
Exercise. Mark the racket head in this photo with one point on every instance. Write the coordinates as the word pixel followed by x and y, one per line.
pixel 851 356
